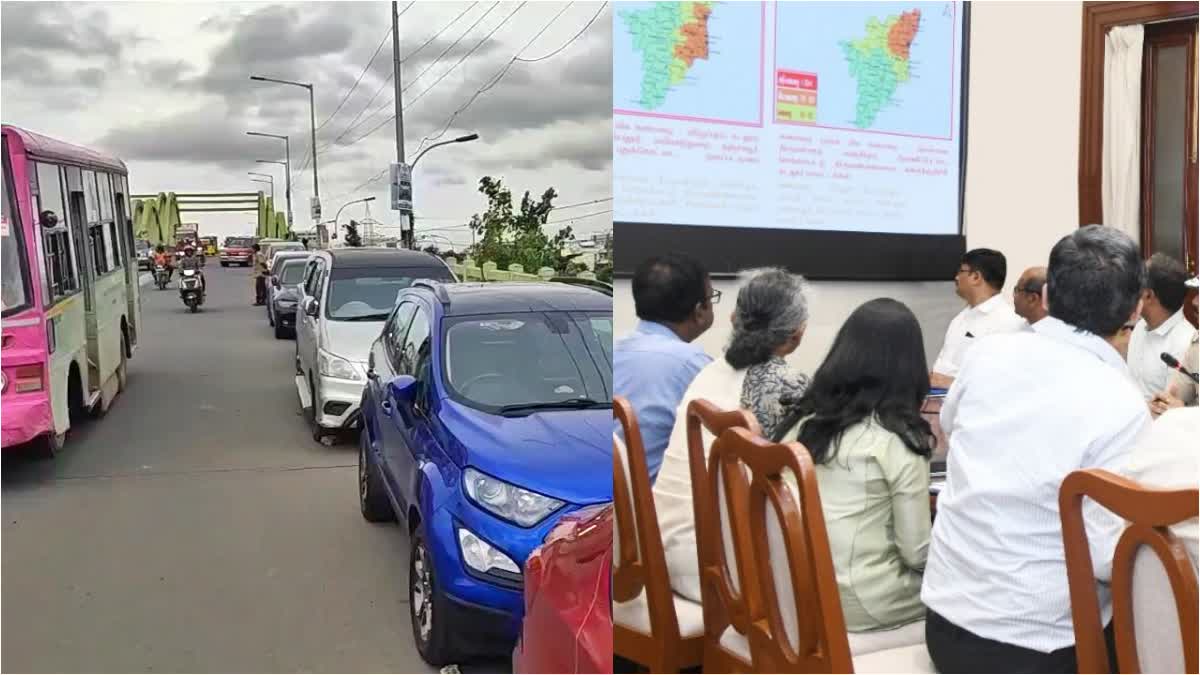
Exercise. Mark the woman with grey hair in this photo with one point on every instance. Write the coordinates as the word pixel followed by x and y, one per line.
pixel 768 324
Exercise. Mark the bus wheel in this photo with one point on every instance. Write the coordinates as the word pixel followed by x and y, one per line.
pixel 48 445
pixel 123 369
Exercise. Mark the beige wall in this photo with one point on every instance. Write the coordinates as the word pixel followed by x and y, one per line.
pixel 1021 192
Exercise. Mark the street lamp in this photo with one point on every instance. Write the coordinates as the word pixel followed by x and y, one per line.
pixel 312 114
pixel 287 164
pixel 269 179
pixel 339 212
pixel 461 139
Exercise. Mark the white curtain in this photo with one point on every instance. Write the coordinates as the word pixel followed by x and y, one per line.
pixel 1122 176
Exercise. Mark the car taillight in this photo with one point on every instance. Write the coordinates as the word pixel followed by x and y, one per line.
pixel 27 379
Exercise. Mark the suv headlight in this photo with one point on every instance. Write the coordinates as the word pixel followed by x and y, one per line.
pixel 335 366
pixel 508 501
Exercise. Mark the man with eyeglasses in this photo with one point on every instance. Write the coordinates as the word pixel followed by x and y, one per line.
pixel 980 278
pixel 653 366
pixel 1027 296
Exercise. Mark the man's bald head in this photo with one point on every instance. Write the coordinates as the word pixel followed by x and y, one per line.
pixel 1027 294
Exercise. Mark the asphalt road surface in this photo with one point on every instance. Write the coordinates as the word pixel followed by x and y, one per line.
pixel 198 527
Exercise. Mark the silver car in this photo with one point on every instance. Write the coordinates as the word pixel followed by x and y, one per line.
pixel 346 295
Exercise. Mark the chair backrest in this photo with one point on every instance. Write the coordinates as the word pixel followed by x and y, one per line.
pixel 1149 512
pixel 638 561
pixel 717 527
pixel 801 628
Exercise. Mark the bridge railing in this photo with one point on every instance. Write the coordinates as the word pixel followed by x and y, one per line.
pixel 469 270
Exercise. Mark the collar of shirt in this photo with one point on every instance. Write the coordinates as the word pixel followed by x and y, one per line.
pixel 652 328
pixel 1059 330
pixel 990 305
pixel 1165 327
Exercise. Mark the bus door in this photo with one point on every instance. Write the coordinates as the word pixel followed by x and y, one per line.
pixel 78 224
pixel 125 228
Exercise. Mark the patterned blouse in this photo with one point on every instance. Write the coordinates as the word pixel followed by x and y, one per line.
pixel 765 384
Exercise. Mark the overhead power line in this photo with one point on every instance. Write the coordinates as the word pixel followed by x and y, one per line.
pixel 504 71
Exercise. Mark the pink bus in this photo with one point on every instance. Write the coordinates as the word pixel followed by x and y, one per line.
pixel 68 272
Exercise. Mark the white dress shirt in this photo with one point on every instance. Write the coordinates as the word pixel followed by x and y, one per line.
pixel 1167 458
pixel 1146 347
pixel 1026 409
pixel 991 316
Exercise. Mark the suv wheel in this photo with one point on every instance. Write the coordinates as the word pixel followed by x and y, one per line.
pixel 372 502
pixel 427 605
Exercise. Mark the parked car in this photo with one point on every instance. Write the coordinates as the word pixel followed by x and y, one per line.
pixel 272 274
pixel 568 598
pixel 283 294
pixel 238 251
pixel 347 294
pixel 273 249
pixel 486 418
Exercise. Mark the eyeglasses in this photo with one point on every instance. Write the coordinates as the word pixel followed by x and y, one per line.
pixel 715 298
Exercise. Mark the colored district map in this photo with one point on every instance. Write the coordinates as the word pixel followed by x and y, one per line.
pixel 670 37
pixel 879 62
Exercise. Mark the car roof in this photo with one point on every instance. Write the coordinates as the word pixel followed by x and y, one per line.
pixel 520 296
pixel 385 257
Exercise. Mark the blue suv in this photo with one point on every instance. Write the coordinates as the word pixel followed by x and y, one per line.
pixel 487 415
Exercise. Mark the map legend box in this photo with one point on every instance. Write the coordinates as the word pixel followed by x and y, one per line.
pixel 795 97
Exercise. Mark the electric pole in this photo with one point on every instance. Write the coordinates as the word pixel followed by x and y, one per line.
pixel 405 228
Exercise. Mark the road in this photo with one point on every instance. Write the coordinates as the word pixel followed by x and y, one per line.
pixel 198 527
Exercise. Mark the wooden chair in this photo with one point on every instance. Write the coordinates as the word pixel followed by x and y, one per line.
pixel 1149 561
pixel 725 607
pixel 651 625
pixel 798 625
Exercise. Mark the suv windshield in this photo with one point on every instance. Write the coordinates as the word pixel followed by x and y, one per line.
pixel 522 362
pixel 14 282
pixel 239 242
pixel 369 293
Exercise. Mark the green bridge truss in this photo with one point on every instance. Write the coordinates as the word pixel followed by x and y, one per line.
pixel 156 218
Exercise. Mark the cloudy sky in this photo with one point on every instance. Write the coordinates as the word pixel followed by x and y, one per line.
pixel 165 86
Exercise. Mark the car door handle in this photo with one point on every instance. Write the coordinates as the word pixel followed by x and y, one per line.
pixel 386 407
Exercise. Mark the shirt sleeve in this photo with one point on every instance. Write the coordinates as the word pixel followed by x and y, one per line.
pixel 907 475
pixel 1103 526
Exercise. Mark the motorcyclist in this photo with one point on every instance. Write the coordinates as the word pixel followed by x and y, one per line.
pixel 191 261
pixel 163 259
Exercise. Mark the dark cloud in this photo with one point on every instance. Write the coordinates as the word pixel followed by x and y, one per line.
pixel 66 28
pixel 588 147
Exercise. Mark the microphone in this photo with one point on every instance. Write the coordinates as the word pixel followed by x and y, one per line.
pixel 1173 363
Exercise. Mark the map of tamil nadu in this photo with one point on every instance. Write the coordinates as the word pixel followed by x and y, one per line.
pixel 879 62
pixel 669 36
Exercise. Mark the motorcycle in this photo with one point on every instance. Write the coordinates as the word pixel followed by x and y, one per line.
pixel 161 277
pixel 191 290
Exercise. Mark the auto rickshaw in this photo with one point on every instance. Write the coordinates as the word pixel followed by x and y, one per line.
pixel 209 245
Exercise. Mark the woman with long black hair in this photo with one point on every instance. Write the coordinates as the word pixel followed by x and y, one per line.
pixel 860 418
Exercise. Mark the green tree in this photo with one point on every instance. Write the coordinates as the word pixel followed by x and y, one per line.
pixel 507 235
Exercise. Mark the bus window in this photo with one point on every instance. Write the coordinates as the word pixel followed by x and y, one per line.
pixel 14 274
pixel 95 228
pixel 61 271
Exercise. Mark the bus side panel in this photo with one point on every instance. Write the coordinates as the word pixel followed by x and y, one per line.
pixel 105 324
pixel 70 346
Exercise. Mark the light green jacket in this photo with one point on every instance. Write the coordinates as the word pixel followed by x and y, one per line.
pixel 875 495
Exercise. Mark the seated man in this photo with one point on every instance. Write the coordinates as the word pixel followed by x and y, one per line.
pixel 1027 296
pixel 1167 458
pixel 1182 389
pixel 1163 327
pixel 979 280
pixel 1027 409
pixel 653 365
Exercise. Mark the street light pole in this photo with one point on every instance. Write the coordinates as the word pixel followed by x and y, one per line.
pixel 269 179
pixel 461 139
pixel 287 164
pixel 312 114
pixel 339 211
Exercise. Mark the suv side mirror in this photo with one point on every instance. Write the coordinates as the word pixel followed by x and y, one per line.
pixel 311 306
pixel 403 388
pixel 275 282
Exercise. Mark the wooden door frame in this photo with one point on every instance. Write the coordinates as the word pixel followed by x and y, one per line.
pixel 1098 18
